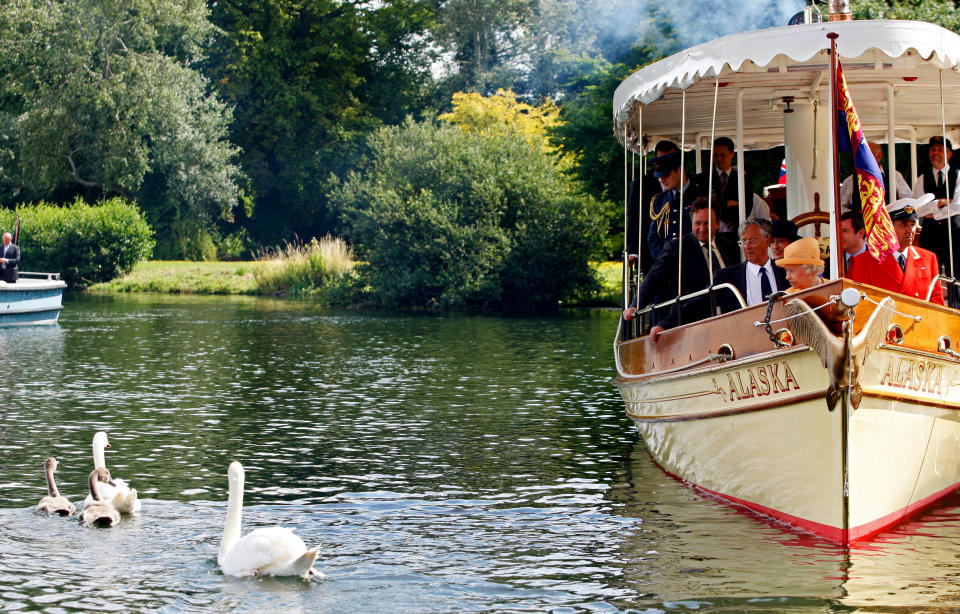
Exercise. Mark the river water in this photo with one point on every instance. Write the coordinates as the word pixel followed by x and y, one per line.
pixel 444 464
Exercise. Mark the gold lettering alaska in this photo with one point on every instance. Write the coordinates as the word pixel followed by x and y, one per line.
pixel 918 375
pixel 762 381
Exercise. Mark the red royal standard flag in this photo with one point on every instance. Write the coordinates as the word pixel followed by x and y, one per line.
pixel 880 238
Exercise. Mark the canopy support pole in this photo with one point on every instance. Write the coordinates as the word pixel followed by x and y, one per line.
pixel 643 170
pixel 740 159
pixel 836 243
pixel 713 136
pixel 891 147
pixel 683 183
pixel 946 176
pixel 626 228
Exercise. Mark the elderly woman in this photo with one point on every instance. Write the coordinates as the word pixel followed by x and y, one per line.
pixel 801 260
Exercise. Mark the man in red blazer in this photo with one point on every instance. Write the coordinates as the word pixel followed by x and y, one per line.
pixel 909 271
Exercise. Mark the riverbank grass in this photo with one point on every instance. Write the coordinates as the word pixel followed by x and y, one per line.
pixel 180 277
pixel 303 270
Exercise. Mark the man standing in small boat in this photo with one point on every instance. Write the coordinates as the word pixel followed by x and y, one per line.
pixel 9 259
pixel 909 271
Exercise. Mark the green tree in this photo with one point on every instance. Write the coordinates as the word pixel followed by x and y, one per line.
pixel 309 80
pixel 452 218
pixel 943 12
pixel 103 98
pixel 584 134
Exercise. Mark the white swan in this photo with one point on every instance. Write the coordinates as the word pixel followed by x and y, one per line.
pixel 274 551
pixel 117 491
pixel 53 503
pixel 98 513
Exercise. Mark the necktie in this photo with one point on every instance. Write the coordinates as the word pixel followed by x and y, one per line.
pixel 723 182
pixel 765 288
pixel 902 261
pixel 940 178
pixel 717 259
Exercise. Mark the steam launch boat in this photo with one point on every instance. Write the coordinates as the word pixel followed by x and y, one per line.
pixel 36 298
pixel 835 409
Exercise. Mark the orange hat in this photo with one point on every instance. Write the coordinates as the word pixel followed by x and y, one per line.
pixel 802 251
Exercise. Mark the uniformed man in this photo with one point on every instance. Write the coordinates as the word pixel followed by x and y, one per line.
pixel 666 210
pixel 935 236
pixel 910 271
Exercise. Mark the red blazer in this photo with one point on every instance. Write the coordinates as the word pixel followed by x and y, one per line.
pixel 921 270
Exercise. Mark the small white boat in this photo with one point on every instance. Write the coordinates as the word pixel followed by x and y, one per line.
pixel 36 298
pixel 741 411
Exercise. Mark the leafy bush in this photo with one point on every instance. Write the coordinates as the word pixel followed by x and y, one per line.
pixel 449 218
pixel 84 243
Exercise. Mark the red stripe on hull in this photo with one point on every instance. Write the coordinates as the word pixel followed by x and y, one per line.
pixel 836 534
pixel 874 527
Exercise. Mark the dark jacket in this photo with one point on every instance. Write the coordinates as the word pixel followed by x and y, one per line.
pixel 665 212
pixel 730 215
pixel 10 272
pixel 660 283
pixel 736 275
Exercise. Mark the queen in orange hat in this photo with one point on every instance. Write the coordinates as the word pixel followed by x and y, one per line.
pixel 802 262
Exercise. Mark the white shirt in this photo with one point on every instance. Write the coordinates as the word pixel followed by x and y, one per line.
pixel 919 189
pixel 754 295
pixel 846 191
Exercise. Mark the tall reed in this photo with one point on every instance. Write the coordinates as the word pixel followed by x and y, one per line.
pixel 308 269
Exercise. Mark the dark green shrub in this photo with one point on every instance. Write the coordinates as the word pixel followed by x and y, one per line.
pixel 84 243
pixel 450 219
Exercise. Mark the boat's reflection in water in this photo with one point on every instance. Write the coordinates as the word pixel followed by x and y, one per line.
pixel 695 552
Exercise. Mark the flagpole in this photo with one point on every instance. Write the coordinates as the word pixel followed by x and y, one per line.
pixel 836 253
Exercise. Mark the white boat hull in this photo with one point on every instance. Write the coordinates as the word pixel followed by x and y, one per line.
pixel 31 301
pixel 757 432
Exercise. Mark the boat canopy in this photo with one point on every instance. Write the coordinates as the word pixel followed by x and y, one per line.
pixel 761 71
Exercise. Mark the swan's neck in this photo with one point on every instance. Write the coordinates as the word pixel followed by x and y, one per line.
pixel 51 485
pixel 231 530
pixel 98 461
pixel 94 491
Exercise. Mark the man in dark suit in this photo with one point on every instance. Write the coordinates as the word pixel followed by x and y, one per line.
pixel 755 278
pixel 638 216
pixel 911 270
pixel 725 180
pixel 9 259
pixel 689 253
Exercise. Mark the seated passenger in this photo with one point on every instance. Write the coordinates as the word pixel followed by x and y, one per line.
pixel 660 282
pixel 783 233
pixel 755 279
pixel 911 270
pixel 801 260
